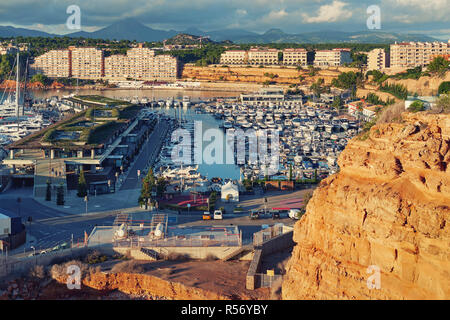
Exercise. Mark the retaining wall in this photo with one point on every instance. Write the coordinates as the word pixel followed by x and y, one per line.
pixel 276 244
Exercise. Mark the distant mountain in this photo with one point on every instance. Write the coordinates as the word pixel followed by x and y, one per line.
pixel 8 32
pixel 278 36
pixel 187 39
pixel 127 29
pixel 131 29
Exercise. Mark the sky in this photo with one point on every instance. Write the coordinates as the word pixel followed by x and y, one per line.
pixel 430 17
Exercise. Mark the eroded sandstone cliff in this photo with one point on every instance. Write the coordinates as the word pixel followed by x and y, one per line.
pixel 388 207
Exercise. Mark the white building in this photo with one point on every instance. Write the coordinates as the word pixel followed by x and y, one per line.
pixel 332 58
pixel 230 192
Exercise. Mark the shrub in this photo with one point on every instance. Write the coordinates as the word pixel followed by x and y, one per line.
pixel 444 87
pixel 95 257
pixel 131 266
pixel 38 272
pixel 175 256
pixel 210 257
pixel 416 106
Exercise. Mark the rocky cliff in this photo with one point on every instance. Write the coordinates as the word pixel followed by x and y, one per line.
pixel 389 207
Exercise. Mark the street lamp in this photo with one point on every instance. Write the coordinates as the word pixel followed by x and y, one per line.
pixel 86 199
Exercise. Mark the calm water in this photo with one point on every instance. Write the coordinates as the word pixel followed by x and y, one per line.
pixel 208 122
pixel 216 170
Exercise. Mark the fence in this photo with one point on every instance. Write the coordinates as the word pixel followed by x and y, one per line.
pixel 266 281
pixel 181 241
pixel 259 238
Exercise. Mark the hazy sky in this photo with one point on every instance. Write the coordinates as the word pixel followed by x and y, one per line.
pixel 292 16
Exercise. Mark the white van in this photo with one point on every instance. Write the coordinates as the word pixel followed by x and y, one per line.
pixel 218 215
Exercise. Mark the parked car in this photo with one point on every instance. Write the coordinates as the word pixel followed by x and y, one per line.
pixel 254 215
pixel 218 215
pixel 206 216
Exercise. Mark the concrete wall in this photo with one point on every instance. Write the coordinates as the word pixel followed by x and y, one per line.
pixel 276 244
pixel 192 252
pixel 16 267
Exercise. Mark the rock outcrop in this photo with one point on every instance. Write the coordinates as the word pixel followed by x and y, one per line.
pixel 388 209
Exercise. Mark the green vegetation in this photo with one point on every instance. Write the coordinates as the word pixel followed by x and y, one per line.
pixel 416 106
pixel 44 80
pixel 148 184
pixel 378 77
pixel 443 103
pixel 397 90
pixel 444 87
pixel 270 75
pixel 103 132
pixel 48 192
pixel 103 100
pixel 60 195
pixel 439 66
pixel 415 74
pixel 348 80
pixel 374 99
pixel 82 185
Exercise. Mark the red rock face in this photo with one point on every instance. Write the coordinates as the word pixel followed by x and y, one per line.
pixel 388 207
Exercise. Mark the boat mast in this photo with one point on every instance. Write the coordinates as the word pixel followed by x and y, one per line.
pixel 17 90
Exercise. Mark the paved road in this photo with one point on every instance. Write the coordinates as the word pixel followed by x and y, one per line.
pixel 148 154
pixel 49 227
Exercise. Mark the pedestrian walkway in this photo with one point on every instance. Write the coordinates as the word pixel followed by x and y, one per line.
pixel 124 199
pixel 146 157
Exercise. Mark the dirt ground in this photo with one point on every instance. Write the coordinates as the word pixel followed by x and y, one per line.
pixel 227 278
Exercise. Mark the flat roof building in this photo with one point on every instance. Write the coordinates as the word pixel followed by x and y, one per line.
pixel 332 58
pixel 377 59
pixel 296 57
pixel 261 56
pixel 234 57
pixel 417 54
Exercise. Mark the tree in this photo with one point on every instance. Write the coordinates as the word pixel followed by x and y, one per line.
pixel 148 183
pixel 416 106
pixel 60 195
pixel 290 172
pixel 443 103
pixel 161 186
pixel 444 87
pixel 439 65
pixel 337 103
pixel 48 193
pixel 82 185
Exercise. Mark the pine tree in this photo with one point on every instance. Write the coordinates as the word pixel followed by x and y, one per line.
pixel 48 193
pixel 147 186
pixel 82 186
pixel 60 195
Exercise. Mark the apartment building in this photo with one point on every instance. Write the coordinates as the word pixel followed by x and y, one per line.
pixel 377 59
pixel 295 57
pixel 117 66
pixel 141 64
pixel 55 64
pixel 332 58
pixel 260 56
pixel 87 63
pixel 90 63
pixel 415 54
pixel 234 57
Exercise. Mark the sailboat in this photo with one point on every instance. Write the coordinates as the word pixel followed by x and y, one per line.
pixel 9 107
